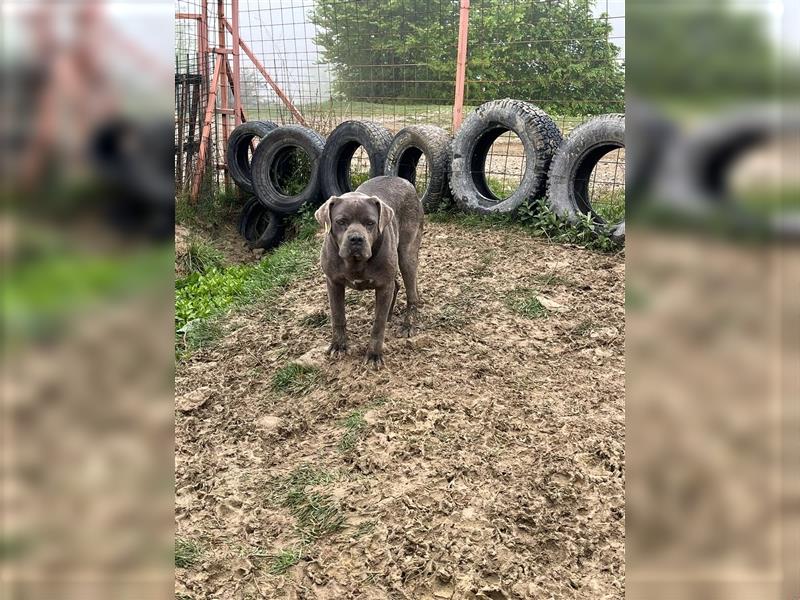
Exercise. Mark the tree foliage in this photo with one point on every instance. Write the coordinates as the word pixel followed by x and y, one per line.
pixel 703 50
pixel 555 53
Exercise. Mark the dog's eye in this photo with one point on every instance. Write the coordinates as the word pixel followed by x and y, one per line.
pixel 370 223
pixel 341 222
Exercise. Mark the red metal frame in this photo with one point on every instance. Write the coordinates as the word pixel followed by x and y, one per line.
pixel 276 88
pixel 461 65
pixel 227 75
pixel 206 135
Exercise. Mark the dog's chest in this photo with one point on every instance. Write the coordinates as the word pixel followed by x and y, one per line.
pixel 360 284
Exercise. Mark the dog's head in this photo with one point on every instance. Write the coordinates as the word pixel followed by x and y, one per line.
pixel 356 222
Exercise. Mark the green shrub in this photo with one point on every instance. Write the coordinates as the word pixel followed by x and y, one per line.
pixel 201 295
pixel 542 221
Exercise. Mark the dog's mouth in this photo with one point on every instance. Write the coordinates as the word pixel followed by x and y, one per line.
pixel 359 253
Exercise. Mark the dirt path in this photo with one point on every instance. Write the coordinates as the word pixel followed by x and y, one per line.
pixel 489 459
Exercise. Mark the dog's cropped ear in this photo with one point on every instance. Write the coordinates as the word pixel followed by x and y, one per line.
pixel 386 213
pixel 323 214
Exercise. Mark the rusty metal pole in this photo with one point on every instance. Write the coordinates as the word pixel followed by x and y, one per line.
pixel 224 84
pixel 206 135
pixel 236 75
pixel 461 65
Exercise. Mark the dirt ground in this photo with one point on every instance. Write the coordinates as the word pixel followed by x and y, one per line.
pixel 489 463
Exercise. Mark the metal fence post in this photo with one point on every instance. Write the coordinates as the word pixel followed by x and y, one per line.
pixel 461 65
pixel 236 78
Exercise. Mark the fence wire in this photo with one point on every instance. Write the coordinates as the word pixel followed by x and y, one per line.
pixel 394 62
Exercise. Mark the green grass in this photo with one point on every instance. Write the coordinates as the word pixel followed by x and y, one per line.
pixel 51 282
pixel 524 302
pixel 200 333
pixel 769 200
pixel 285 560
pixel 186 553
pixel 364 528
pixel 209 209
pixel 201 257
pixel 357 178
pixel 13 548
pixel 503 187
pixel 296 173
pixel 539 221
pixel 295 379
pixel 307 475
pixel 610 205
pixel 208 295
pixel 354 426
pixel 316 514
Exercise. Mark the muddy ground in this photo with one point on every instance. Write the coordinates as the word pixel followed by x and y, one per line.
pixel 486 460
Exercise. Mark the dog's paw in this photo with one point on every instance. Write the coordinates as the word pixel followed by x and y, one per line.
pixel 374 360
pixel 337 349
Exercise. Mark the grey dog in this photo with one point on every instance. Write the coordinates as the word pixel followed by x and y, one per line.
pixel 368 234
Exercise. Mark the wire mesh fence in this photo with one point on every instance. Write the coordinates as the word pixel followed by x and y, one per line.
pixel 321 62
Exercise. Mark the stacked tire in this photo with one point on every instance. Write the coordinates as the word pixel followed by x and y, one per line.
pixel 293 166
pixel 279 175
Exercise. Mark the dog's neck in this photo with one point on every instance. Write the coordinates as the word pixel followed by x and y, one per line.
pixel 355 269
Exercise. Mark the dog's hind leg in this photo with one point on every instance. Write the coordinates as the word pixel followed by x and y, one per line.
pixel 394 297
pixel 408 269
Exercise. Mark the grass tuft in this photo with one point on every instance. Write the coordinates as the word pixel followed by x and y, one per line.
pixel 354 426
pixel 285 560
pixel 186 553
pixel 502 187
pixel 295 379
pixel 316 514
pixel 209 207
pixel 307 475
pixel 315 319
pixel 201 257
pixel 201 333
pixel 524 302
pixel 610 205
pixel 364 528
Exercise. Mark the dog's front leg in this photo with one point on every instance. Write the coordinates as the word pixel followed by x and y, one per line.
pixel 338 320
pixel 383 302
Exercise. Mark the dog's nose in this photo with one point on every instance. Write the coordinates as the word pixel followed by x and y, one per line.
pixel 355 240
